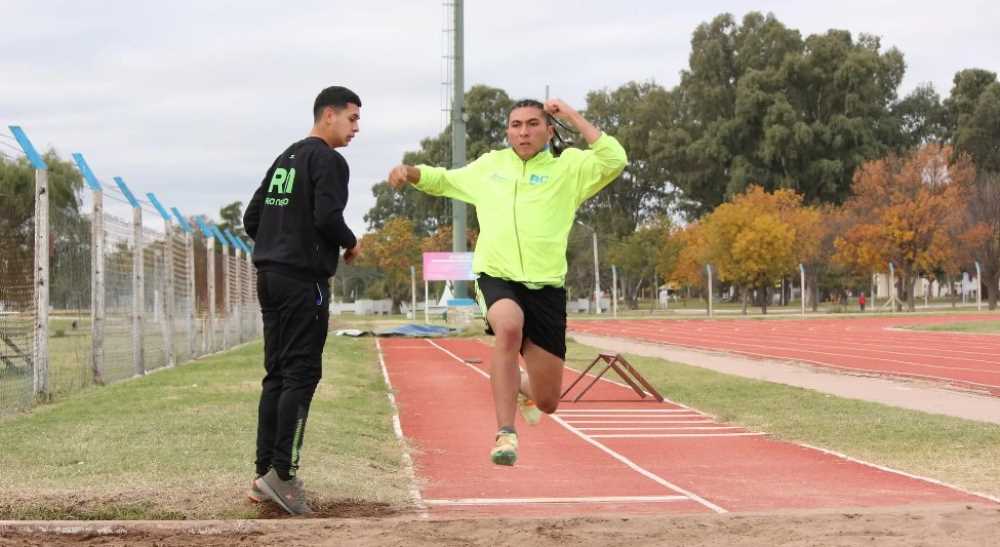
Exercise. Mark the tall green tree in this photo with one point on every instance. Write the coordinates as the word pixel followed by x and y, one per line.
pixel 69 230
pixel 974 112
pixel 486 109
pixel 919 118
pixel 232 219
pixel 632 113
pixel 761 105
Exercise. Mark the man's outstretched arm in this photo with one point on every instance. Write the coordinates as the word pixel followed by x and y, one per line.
pixel 403 174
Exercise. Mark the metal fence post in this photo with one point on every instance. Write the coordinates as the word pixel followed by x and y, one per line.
pixel 237 302
pixel 40 357
pixel 182 223
pixel 96 271
pixel 226 315
pixel 192 287
pixel 168 307
pixel 210 281
pixel 138 279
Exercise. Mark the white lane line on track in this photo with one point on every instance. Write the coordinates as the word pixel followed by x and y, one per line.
pixel 634 416
pixel 586 438
pixel 682 428
pixel 398 428
pixel 526 501
pixel 700 421
pixel 562 412
pixel 674 435
pixel 903 473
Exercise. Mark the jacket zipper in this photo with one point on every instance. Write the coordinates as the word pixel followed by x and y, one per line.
pixel 517 236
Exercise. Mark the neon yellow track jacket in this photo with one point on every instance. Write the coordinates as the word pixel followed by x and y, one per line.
pixel 526 208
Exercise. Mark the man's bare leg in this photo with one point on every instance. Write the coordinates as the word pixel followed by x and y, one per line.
pixel 544 377
pixel 507 321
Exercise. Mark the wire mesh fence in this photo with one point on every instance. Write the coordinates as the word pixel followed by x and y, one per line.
pixel 17 294
pixel 114 292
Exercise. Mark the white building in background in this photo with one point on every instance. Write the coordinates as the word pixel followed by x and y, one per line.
pixel 966 286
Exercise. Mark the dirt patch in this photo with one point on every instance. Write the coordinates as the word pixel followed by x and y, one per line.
pixel 337 509
pixel 956 526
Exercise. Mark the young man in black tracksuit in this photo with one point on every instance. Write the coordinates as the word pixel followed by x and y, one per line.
pixel 296 219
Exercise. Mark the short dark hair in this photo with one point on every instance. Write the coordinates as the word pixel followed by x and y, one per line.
pixel 336 97
pixel 531 103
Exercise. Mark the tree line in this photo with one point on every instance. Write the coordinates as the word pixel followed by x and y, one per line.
pixel 773 150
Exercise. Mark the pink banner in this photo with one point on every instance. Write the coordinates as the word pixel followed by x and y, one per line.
pixel 448 267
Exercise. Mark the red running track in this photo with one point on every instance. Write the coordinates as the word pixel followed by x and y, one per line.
pixel 611 453
pixel 863 345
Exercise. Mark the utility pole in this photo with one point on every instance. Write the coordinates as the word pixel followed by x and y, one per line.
pixel 458 212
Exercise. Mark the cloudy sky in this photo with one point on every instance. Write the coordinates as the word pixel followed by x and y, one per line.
pixel 192 100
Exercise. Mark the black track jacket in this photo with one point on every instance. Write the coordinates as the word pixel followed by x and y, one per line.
pixel 296 216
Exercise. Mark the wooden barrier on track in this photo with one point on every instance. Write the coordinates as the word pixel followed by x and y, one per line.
pixel 628 373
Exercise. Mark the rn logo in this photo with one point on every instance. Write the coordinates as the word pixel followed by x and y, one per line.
pixel 281 183
pixel 538 179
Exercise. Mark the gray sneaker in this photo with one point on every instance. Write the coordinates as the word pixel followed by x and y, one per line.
pixel 290 494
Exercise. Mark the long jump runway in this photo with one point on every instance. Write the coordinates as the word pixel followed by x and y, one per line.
pixel 611 452
pixel 863 345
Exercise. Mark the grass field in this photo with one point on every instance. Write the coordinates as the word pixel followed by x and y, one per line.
pixel 179 443
pixel 979 327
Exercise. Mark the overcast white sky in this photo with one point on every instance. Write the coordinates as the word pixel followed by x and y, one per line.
pixel 192 100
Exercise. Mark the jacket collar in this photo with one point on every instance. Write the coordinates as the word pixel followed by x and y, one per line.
pixel 541 158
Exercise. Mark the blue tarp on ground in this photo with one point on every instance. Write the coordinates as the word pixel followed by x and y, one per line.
pixel 414 330
pixel 411 330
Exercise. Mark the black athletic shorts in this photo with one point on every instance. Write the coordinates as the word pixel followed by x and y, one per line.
pixel 544 311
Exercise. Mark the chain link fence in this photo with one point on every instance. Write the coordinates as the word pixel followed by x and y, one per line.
pixel 93 295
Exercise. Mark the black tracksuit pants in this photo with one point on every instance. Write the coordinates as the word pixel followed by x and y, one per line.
pixel 296 315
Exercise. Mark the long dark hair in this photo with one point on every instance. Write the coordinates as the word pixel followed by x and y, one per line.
pixel 557 143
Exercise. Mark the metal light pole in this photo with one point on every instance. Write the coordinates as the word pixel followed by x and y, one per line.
pixel 708 268
pixel 892 287
pixel 614 291
pixel 413 293
pixel 597 277
pixel 458 213
pixel 979 287
pixel 802 288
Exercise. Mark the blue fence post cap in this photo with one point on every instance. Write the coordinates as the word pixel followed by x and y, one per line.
pixel 29 149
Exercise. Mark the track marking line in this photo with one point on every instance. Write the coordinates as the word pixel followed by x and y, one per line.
pixel 682 428
pixel 527 501
pixel 675 435
pixel 398 429
pixel 586 438
pixel 705 421
pixel 903 473
pixel 624 411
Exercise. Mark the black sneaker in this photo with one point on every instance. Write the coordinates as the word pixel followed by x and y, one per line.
pixel 290 494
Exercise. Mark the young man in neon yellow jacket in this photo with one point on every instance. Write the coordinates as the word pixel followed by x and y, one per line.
pixel 526 200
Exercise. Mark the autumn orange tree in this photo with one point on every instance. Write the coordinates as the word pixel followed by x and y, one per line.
pixel 759 238
pixel 684 256
pixel 391 251
pixel 905 210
